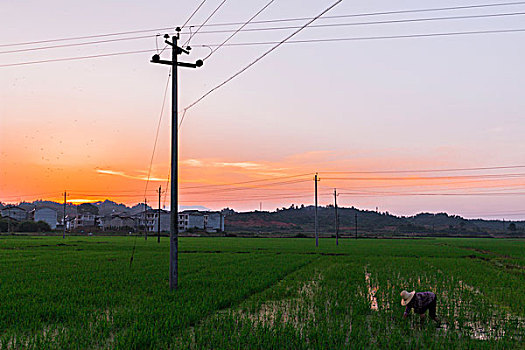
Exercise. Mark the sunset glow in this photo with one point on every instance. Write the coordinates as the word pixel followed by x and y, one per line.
pixel 88 127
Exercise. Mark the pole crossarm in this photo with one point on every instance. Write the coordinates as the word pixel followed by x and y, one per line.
pixel 156 59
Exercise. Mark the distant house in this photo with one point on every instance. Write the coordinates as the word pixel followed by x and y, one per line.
pixel 14 212
pixel 85 220
pixel 87 216
pixel 119 222
pixel 46 214
pixel 213 221
pixel 210 221
pixel 191 219
pixel 152 220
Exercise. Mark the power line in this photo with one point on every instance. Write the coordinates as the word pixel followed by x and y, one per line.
pixel 434 194
pixel 368 14
pixel 167 186
pixel 239 29
pixel 396 21
pixel 87 37
pixel 256 60
pixel 221 190
pixel 151 30
pixel 425 170
pixel 247 182
pixel 444 34
pixel 422 178
pixel 47 194
pixel 435 184
pixel 204 23
pixel 383 37
pixel 157 132
pixel 485 188
pixel 218 46
pixel 193 14
pixel 246 199
pixel 278 180
pixel 77 44
pixel 76 58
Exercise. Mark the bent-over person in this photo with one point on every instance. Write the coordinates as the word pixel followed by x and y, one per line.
pixel 420 302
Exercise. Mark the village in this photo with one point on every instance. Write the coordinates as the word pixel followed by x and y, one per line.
pixel 87 219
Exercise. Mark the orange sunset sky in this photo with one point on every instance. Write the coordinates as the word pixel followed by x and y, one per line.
pixel 377 119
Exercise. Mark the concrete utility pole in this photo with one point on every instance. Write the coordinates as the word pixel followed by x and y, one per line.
pixel 64 221
pixel 9 220
pixel 316 220
pixel 174 205
pixel 336 218
pixel 158 219
pixel 145 220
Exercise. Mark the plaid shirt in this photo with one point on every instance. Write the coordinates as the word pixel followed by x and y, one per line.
pixel 420 302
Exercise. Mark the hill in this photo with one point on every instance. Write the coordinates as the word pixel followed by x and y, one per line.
pixel 301 220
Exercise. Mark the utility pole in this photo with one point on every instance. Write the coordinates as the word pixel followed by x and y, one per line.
pixel 174 205
pixel 260 206
pixel 336 218
pixel 145 219
pixel 158 219
pixel 65 201
pixel 316 219
pixel 356 225
pixel 9 220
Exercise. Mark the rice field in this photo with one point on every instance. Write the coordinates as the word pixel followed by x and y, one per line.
pixel 258 293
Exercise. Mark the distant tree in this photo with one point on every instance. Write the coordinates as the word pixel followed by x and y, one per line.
pixel 512 226
pixel 31 226
pixel 87 208
pixel 28 226
pixel 43 226
pixel 3 225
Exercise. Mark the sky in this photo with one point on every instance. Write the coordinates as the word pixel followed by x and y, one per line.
pixel 347 110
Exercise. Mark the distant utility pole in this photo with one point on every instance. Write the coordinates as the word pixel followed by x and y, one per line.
pixel 145 220
pixel 9 220
pixel 260 206
pixel 158 219
pixel 174 205
pixel 65 201
pixel 316 219
pixel 336 218
pixel 356 225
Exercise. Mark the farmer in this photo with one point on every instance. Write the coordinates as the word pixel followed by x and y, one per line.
pixel 420 302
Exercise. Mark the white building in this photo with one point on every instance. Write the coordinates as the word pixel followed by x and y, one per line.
pixel 48 215
pixel 191 219
pixel 152 220
pixel 210 221
pixel 213 221
pixel 85 220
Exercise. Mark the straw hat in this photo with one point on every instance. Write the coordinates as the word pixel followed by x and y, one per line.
pixel 406 297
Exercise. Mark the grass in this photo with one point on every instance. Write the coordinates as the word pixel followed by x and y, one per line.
pixel 258 293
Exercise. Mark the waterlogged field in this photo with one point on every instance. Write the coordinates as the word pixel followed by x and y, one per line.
pixel 259 293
